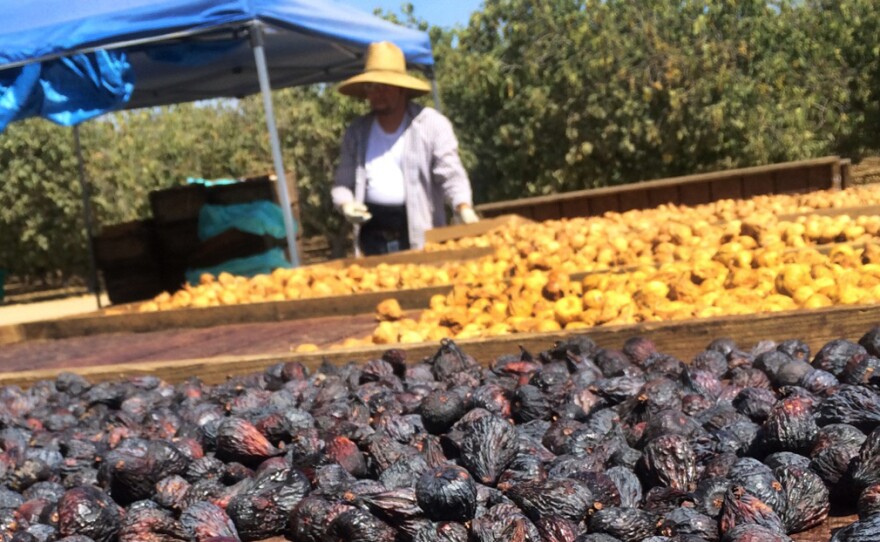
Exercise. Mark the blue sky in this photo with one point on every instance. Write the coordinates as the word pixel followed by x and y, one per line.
pixel 444 13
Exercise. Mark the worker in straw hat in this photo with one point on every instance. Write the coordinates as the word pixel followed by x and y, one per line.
pixel 400 162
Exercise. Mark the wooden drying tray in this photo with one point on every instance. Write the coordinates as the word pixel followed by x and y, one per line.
pixel 130 321
pixel 139 322
pixel 861 210
pixel 683 339
pixel 420 257
pixel 458 231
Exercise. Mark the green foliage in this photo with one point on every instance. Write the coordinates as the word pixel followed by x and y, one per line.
pixel 545 97
pixel 41 227
pixel 571 94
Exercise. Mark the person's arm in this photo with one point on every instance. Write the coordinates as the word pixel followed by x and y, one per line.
pixel 446 167
pixel 344 178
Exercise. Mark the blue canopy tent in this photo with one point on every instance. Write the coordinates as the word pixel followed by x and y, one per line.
pixel 70 60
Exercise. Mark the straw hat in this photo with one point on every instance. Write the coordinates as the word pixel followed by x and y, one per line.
pixel 385 64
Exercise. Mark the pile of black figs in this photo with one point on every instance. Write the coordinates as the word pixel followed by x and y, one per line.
pixel 575 443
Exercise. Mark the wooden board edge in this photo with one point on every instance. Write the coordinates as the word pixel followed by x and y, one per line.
pixel 486 225
pixel 12 334
pixel 683 339
pixel 300 309
pixel 509 205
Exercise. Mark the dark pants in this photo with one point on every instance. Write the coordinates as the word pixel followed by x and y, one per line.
pixel 386 232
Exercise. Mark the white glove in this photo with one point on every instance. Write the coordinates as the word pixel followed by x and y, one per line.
pixel 355 212
pixel 466 215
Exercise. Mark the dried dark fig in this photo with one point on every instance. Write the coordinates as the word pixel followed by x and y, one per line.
pixel 855 405
pixel 557 529
pixel 171 491
pixel 492 398
pixel 790 426
pixel 487 447
pixel 755 403
pixel 405 472
pixel 396 506
pixel 833 450
pixel 151 524
pixel 343 451
pixel 238 440
pixel 530 404
pixel 90 512
pixel 688 522
pixel 447 493
pixel 440 410
pixel 750 532
pixel 629 488
pixel 262 509
pixel 834 356
pixel 625 524
pixel 566 498
pixel 758 480
pixel 356 525
pixel 504 523
pixel 442 532
pixel 709 495
pixel 864 530
pixel 869 501
pixel 450 361
pixel 311 518
pixel 807 502
pixel 669 461
pixel 741 507
pixel 203 521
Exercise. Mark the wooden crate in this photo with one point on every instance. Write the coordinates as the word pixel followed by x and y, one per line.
pixel 177 240
pixel 178 203
pixel 247 191
pixel 789 177
pixel 126 245
pixel 126 285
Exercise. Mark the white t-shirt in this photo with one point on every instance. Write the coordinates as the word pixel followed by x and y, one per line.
pixel 384 165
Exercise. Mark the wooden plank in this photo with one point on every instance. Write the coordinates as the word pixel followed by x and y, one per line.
pixel 11 334
pixel 695 194
pixel 602 204
pixel 575 208
pixel 301 309
pixel 413 257
pixel 821 178
pixel 756 185
pixel 844 174
pixel 683 339
pixel 634 200
pixel 731 188
pixel 522 206
pixel 548 210
pixel 457 231
pixel 792 181
pixel 663 194
pixel 862 210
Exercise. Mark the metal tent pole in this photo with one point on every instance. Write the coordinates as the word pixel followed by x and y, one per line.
pixel 435 91
pixel 281 180
pixel 94 285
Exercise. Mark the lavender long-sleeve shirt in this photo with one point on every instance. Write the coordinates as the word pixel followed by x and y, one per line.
pixel 432 170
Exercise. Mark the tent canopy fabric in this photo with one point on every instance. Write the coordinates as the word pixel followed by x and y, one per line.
pixel 71 60
pixel 187 50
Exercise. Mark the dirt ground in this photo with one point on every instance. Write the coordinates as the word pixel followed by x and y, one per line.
pixel 16 313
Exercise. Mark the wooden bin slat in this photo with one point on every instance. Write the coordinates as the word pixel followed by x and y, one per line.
pixel 682 339
pixel 819 173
